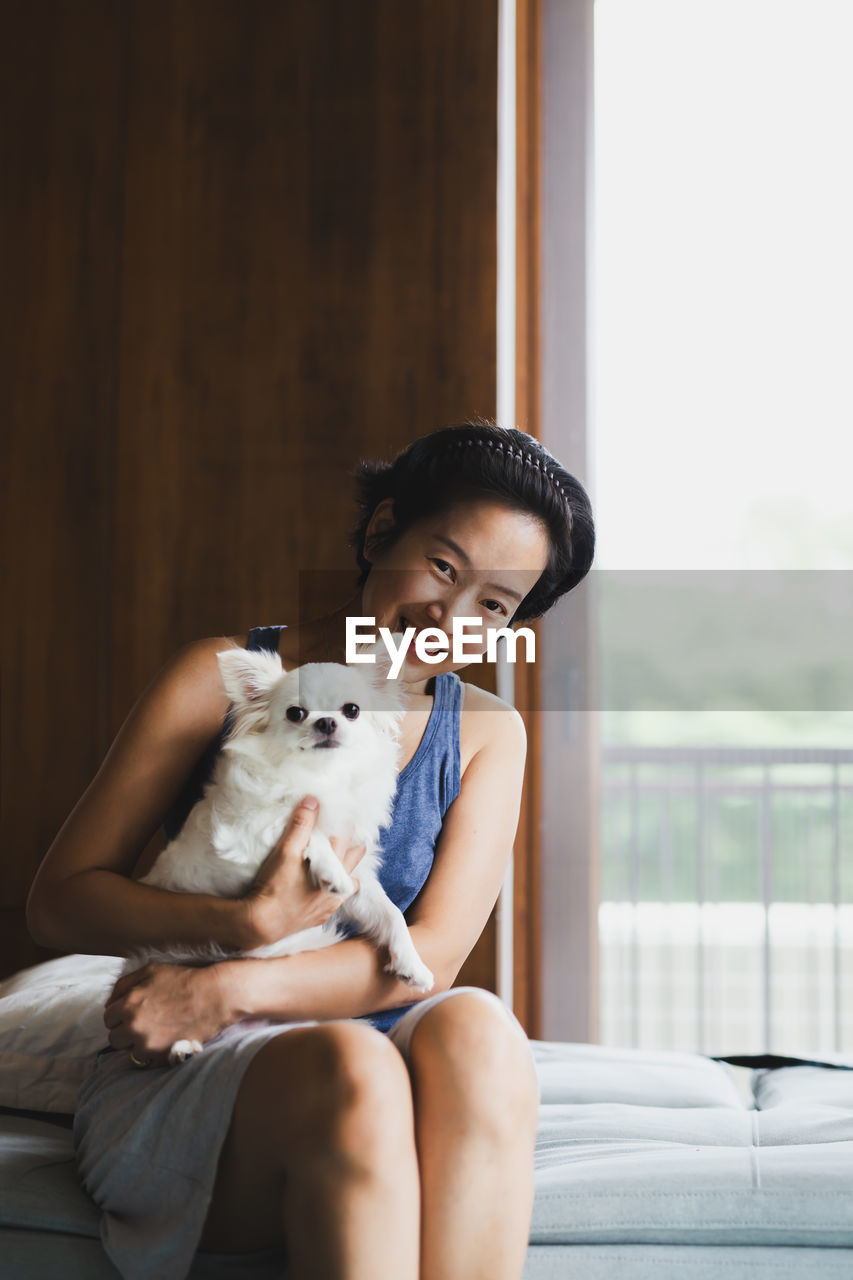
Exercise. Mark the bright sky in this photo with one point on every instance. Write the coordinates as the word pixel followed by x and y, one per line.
pixel 723 433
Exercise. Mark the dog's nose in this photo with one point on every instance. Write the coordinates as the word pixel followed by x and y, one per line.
pixel 326 725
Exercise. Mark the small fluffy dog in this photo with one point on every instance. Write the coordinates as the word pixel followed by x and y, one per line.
pixel 326 730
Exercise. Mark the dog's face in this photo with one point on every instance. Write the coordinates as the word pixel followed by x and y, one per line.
pixel 316 709
pixel 325 707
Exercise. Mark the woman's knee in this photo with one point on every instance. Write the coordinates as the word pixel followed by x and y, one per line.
pixel 342 1093
pixel 318 1107
pixel 479 1059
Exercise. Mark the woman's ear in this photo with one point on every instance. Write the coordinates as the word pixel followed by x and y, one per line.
pixel 380 523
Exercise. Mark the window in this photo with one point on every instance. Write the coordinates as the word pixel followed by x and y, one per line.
pixel 722 443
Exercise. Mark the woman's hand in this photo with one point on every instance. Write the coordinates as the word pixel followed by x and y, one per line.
pixel 283 898
pixel 151 1008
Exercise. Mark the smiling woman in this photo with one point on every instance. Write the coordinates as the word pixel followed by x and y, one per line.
pixel 458 467
pixel 385 1153
pixel 414 587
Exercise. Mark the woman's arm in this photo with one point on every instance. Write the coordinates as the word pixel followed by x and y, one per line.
pixel 83 898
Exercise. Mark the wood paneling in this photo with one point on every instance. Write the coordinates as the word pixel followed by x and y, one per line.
pixel 61 117
pixel 527 921
pixel 253 243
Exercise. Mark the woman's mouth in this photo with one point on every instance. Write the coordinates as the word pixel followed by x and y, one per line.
pixel 428 646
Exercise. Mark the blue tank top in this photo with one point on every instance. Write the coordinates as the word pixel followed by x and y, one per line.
pixel 426 788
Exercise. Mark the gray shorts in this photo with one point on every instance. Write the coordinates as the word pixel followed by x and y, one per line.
pixel 148 1143
pixel 402 1031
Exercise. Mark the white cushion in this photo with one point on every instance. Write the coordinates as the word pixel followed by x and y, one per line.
pixel 805 1084
pixel 51 1027
pixel 657 1148
pixel 644 1077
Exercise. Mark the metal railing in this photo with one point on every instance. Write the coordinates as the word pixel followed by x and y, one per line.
pixel 726 917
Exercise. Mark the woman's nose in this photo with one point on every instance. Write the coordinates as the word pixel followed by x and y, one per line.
pixel 437 612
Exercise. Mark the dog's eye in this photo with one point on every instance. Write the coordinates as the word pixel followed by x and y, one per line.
pixel 296 714
pixel 350 710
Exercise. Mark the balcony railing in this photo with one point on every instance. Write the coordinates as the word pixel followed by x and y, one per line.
pixel 726 918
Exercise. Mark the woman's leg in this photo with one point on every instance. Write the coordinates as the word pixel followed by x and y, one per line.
pixel 476 1105
pixel 321 1153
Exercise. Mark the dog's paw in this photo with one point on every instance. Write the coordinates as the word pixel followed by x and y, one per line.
pixel 412 971
pixel 183 1049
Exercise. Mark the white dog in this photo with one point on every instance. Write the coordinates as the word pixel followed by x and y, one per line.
pixel 325 730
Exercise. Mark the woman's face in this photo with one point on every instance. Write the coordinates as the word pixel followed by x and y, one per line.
pixel 477 559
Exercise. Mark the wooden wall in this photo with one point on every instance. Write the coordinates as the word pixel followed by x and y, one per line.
pixel 245 245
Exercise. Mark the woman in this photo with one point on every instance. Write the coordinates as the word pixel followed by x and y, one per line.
pixel 407 1154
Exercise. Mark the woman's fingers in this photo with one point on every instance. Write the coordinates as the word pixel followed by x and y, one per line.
pixel 113 1015
pixel 285 897
pixel 353 856
pixel 125 983
pixel 349 854
pixel 177 1002
pixel 120 1038
pixel 282 900
pixel 297 833
pixel 287 854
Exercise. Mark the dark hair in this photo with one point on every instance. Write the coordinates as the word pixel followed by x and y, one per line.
pixel 483 460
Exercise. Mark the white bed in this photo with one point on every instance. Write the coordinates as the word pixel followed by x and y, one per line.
pixel 649 1166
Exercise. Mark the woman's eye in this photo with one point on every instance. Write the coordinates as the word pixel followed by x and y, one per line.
pixel 296 714
pixel 350 710
pixel 443 566
pixel 495 606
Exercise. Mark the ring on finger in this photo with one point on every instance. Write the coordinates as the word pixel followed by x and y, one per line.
pixel 139 1062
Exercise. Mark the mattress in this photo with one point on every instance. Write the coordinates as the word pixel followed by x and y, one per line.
pixel 648 1165
pixel 658 1164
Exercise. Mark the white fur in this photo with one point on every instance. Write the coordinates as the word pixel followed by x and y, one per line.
pixel 266 766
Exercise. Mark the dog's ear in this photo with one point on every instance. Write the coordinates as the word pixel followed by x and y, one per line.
pixel 249 677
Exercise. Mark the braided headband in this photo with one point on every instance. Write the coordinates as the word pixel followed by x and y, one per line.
pixel 512 452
